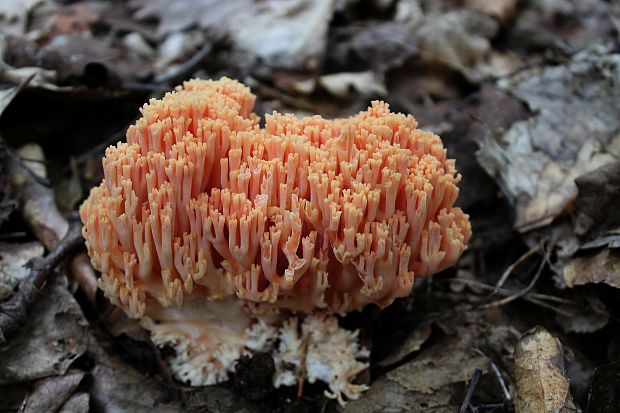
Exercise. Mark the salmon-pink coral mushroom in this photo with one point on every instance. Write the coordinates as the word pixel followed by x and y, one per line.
pixel 304 214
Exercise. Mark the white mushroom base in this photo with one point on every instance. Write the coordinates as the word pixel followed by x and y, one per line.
pixel 209 337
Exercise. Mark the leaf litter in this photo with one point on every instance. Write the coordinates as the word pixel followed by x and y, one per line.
pixel 525 96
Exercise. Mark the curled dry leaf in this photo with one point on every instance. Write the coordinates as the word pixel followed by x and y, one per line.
pixel 542 386
pixel 573 132
pixel 39 210
pixel 38 205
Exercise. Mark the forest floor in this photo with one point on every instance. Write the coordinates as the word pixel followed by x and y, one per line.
pixel 525 95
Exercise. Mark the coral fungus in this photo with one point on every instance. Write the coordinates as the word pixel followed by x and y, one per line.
pixel 202 210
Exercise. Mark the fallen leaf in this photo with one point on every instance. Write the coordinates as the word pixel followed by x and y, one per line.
pixel 13 260
pixel 363 83
pixel 38 204
pixel 603 267
pixel 542 386
pixel 566 26
pixel 55 334
pixel 118 388
pixel 78 403
pixel 459 38
pixel 283 34
pixel 50 393
pixel 434 380
pixel 599 187
pixel 375 46
pixel 573 132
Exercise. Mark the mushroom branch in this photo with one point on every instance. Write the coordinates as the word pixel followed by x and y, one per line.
pixel 212 230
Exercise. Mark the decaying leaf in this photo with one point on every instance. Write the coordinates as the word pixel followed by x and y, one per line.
pixel 573 132
pixel 599 187
pixel 284 34
pixel 13 258
pixel 78 403
pixel 434 380
pixel 603 267
pixel 54 336
pixel 363 83
pixel 458 38
pixel 50 393
pixel 542 386
pixel 117 387
pixel 38 204
pixel 413 343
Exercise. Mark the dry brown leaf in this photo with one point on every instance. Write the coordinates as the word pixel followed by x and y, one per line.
pixel 55 334
pixel 542 386
pixel 460 39
pixel 38 205
pixel 599 187
pixel 573 133
pixel 603 267
pixel 362 83
pixel 434 379
pixel 118 388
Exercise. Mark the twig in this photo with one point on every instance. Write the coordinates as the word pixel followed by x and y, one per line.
pixel 475 378
pixel 498 376
pixel 510 269
pixel 524 291
pixel 14 311
pixel 41 180
pixel 534 298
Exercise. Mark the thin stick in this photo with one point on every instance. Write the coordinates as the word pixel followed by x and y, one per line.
pixel 498 376
pixel 475 378
pixel 510 269
pixel 523 292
